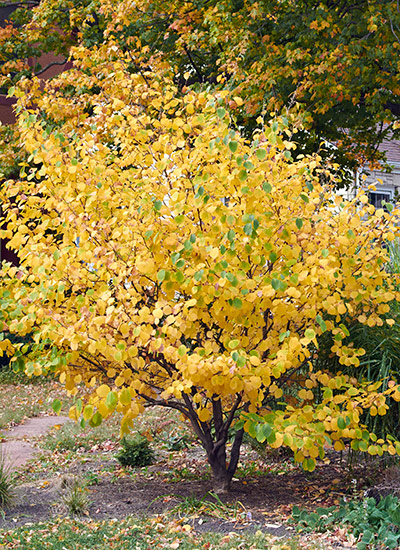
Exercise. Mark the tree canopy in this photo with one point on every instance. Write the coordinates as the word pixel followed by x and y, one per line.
pixel 166 259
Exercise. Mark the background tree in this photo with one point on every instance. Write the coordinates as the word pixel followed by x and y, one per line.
pixel 336 61
pixel 167 260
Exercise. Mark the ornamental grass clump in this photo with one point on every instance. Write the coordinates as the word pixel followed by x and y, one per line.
pixel 7 484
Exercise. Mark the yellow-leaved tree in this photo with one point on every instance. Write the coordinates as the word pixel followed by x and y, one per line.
pixel 166 260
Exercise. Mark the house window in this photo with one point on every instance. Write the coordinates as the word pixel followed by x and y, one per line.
pixel 379 198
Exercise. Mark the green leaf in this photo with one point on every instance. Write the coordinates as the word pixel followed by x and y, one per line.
pixel 284 335
pixel 321 323
pixel 233 344
pixel 161 275
pixel 299 223
pixel 243 175
pixel 267 187
pixel 231 235
pixel 273 256
pixel 157 205
pixel 199 275
pixel 304 198
pixel 79 405
pixel 111 399
pixel 56 406
pixel 96 420
pixel 237 303
pixel 263 432
pixel 309 333
pixel 233 145
pixel 251 430
pixel 276 284
pixel 309 464
pixel 261 154
pixel 248 229
pixel 221 112
pixel 341 423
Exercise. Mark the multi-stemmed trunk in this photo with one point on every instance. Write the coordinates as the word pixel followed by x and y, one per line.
pixel 214 436
pixel 222 470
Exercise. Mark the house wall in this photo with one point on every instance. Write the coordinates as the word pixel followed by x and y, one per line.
pixel 385 180
pixel 6 109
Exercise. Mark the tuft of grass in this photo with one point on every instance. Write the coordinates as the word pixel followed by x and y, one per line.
pixel 7 485
pixel 74 496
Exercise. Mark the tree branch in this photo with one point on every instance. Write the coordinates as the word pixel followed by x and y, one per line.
pixel 51 65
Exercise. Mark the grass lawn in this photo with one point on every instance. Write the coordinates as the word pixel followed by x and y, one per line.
pixel 22 397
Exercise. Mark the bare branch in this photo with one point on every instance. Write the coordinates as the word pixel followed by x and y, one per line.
pixel 54 63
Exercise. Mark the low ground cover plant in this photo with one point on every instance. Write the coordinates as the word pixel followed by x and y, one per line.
pixel 375 525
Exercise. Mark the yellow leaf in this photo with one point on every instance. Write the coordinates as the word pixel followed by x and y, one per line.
pixel 204 415
pixel 103 390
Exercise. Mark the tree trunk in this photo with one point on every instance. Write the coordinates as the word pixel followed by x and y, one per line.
pixel 222 472
pixel 215 443
pixel 221 476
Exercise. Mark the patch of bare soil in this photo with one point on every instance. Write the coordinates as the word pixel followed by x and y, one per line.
pixel 262 495
pixel 117 495
pixel 258 502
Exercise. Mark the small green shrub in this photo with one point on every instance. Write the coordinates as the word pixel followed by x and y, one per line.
pixel 375 524
pixel 135 452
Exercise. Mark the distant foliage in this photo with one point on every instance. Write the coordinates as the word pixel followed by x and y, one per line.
pixel 338 60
